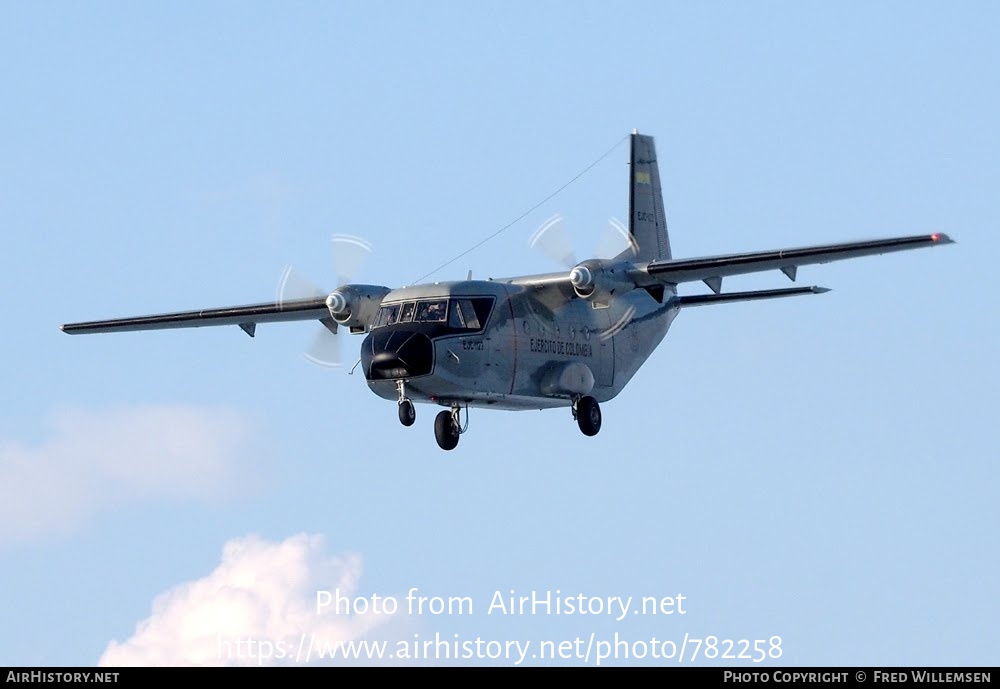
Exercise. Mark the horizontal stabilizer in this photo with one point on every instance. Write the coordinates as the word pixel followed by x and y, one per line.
pixel 708 299
pixel 714 268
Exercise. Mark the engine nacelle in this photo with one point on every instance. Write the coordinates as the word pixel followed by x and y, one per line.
pixel 598 281
pixel 356 305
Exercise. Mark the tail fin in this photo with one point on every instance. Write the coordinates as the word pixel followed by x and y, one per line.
pixel 647 220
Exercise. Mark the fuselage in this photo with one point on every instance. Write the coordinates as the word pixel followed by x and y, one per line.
pixel 524 343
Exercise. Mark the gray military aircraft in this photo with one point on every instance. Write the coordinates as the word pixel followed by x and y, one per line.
pixel 568 339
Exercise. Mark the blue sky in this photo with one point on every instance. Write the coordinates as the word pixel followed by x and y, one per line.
pixel 820 469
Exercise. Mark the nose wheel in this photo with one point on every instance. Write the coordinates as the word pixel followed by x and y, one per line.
pixel 587 413
pixel 447 428
pixel 407 414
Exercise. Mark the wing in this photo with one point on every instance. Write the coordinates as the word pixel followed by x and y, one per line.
pixel 712 269
pixel 247 317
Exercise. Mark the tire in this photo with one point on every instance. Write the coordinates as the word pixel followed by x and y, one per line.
pixel 407 414
pixel 588 415
pixel 445 432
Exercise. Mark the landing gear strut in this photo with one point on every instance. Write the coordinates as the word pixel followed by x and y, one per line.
pixel 587 413
pixel 407 414
pixel 447 428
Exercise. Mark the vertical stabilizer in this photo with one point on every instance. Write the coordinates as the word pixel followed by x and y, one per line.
pixel 647 221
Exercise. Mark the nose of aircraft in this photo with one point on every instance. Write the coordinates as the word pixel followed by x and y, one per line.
pixel 387 354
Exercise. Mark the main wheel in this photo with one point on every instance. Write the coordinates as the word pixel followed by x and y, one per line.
pixel 588 415
pixel 445 431
pixel 407 414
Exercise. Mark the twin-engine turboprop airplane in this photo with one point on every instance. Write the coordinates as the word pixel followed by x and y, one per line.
pixel 570 339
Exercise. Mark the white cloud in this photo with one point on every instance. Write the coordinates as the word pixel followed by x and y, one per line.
pixel 97 459
pixel 261 592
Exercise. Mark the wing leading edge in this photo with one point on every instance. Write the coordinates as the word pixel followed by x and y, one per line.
pixel 247 317
pixel 711 269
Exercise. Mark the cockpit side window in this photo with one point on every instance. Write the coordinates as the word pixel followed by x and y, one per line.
pixel 469 314
pixel 463 315
pixel 456 319
pixel 483 306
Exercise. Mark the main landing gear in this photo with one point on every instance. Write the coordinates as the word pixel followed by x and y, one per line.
pixel 587 413
pixel 447 428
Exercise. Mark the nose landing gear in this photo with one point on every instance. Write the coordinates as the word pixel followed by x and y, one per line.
pixel 407 414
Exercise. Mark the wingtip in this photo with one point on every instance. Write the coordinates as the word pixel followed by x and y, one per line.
pixel 820 290
pixel 941 238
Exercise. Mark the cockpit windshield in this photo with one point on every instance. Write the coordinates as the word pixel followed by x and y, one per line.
pixel 406 315
pixel 431 311
pixel 460 313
